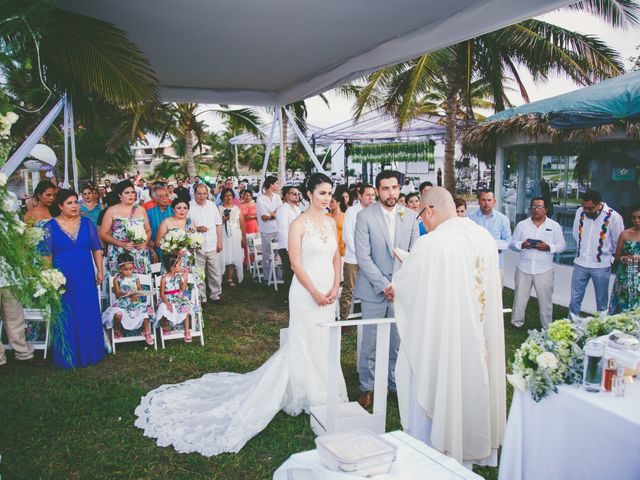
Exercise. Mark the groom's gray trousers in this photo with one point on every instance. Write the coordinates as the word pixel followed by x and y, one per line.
pixel 366 360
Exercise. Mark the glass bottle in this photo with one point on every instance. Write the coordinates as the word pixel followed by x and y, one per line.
pixel 609 373
pixel 618 383
pixel 592 374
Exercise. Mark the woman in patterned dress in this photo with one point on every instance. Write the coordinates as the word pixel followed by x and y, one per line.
pixel 117 222
pixel 626 288
pixel 179 221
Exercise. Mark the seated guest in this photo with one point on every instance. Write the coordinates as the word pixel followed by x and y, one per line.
pixel 73 244
pixel 402 199
pixel 129 311
pixel 175 306
pixel 461 206
pixel 537 238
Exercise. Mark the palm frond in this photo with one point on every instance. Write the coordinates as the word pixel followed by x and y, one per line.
pixel 617 13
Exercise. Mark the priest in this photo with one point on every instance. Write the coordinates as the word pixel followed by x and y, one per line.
pixel 451 366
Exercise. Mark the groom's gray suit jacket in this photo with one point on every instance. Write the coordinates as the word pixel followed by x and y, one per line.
pixel 374 252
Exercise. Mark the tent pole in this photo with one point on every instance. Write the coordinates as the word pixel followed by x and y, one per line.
pixel 267 152
pixel 304 141
pixel 65 181
pixel 23 150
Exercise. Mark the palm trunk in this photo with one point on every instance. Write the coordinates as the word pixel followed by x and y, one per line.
pixel 282 160
pixel 188 154
pixel 451 108
pixel 237 163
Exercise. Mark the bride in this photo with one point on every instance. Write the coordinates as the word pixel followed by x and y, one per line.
pixel 220 412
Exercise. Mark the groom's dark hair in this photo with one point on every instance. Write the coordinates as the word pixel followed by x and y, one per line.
pixel 383 175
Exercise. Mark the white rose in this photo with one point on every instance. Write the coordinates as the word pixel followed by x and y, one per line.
pixel 3 179
pixel 20 226
pixel 7 204
pixel 518 381
pixel 11 118
pixel 547 360
pixel 39 291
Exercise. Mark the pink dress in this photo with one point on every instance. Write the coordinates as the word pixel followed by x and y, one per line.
pixel 250 225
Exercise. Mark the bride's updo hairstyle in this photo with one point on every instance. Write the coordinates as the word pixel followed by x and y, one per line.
pixel 313 181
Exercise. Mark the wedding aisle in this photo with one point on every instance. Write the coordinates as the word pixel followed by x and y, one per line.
pixel 79 424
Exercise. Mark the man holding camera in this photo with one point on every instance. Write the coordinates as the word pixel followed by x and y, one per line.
pixel 537 238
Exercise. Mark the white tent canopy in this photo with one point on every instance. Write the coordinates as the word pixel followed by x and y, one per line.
pixel 258 52
pixel 374 126
pixel 252 139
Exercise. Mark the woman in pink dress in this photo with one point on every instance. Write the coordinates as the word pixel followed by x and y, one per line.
pixel 248 209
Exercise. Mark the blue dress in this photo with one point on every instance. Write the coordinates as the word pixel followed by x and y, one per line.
pixel 82 322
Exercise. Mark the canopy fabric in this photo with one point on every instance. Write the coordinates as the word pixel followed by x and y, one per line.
pixel 272 53
pixel 375 126
pixel 613 99
pixel 252 139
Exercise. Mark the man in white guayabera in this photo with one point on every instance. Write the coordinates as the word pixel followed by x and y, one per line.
pixel 448 307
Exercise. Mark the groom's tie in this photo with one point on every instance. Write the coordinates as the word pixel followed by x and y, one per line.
pixel 391 227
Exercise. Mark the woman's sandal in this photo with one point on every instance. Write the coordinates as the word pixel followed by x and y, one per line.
pixel 187 337
pixel 148 338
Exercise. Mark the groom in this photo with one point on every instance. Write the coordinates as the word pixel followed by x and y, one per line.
pixel 379 229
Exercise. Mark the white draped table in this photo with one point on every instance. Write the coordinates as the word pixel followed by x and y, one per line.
pixel 573 434
pixel 415 461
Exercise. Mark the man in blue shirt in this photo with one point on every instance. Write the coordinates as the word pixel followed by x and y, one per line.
pixel 496 223
pixel 156 215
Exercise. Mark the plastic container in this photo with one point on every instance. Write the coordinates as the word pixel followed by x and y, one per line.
pixel 360 452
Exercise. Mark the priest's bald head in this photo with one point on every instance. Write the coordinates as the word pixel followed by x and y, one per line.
pixel 436 206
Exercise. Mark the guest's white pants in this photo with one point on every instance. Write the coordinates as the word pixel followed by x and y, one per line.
pixel 543 283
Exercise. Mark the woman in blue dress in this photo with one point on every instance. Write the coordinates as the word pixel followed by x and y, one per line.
pixel 73 244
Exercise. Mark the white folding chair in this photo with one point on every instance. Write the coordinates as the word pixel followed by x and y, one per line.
pixel 251 238
pixel 156 268
pixel 275 264
pixel 36 316
pixel 256 258
pixel 128 336
pixel 196 321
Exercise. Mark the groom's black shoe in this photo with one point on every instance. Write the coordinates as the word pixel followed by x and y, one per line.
pixel 366 399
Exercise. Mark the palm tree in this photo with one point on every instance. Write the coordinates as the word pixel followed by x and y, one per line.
pixel 181 121
pixel 68 52
pixel 493 59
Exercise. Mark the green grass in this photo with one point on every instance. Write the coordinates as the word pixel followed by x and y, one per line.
pixel 57 424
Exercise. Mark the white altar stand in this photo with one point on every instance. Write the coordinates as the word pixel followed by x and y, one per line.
pixel 341 417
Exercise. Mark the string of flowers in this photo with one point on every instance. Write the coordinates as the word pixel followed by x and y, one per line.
pixel 554 356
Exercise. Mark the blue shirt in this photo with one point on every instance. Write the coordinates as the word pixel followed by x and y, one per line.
pixel 156 216
pixel 498 225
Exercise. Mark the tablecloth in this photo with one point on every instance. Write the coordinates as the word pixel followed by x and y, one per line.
pixel 415 461
pixel 573 434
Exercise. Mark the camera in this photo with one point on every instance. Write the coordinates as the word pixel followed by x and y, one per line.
pixel 226 212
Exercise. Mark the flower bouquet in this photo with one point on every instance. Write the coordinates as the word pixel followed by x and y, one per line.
pixel 53 279
pixel 136 234
pixel 554 356
pixel 176 240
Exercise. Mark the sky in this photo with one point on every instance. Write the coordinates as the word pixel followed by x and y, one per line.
pixel 624 41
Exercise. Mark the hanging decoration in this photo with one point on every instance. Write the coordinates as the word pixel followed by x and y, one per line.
pixel 393 152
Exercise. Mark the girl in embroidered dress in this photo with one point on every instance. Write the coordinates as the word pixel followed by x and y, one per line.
pixel 129 311
pixel 175 306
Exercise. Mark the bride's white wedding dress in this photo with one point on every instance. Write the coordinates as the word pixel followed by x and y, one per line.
pixel 220 412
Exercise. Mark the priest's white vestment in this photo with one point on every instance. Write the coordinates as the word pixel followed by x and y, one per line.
pixel 448 307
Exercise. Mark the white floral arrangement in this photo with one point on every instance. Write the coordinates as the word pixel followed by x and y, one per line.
pixel 173 241
pixel 176 240
pixel 136 234
pixel 6 121
pixel 195 240
pixel 52 278
pixel 554 356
